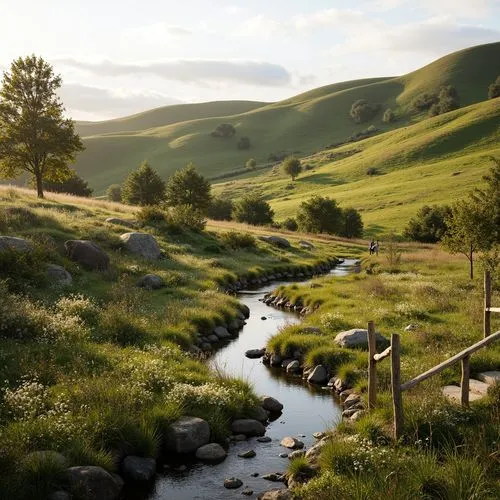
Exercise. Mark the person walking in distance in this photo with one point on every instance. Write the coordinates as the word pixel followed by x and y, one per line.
pixel 371 247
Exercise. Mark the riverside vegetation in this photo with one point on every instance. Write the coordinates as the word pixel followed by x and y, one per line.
pixel 447 451
pixel 94 366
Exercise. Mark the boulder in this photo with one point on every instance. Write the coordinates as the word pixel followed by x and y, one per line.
pixel 318 376
pixel 276 477
pixel 275 494
pixel 293 367
pixel 358 337
pixel 121 222
pixel 187 434
pixel 142 244
pixel 276 241
pixel 271 404
pixel 258 413
pixel 89 482
pixel 275 360
pixel 88 254
pixel 138 469
pixel 255 353
pixel 213 339
pixel 247 454
pixel 306 244
pixel 212 452
pixel 296 454
pixel 292 443
pixel 234 327
pixel 232 483
pixel 248 427
pixel 245 310
pixel 221 332
pixel 264 439
pixel 59 276
pixel 14 244
pixel 150 282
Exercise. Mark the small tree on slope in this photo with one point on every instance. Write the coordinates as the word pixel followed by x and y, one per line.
pixel 143 187
pixel 188 187
pixel 292 167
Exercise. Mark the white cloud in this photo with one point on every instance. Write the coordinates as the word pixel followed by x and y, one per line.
pixel 457 8
pixel 191 71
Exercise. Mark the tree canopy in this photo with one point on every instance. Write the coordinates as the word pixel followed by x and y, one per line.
pixel 244 142
pixel 224 130
pixel 352 223
pixel 494 89
pixel 220 208
pixel 320 215
pixel 429 224
pixel 254 210
pixel 447 101
pixel 292 167
pixel 34 135
pixel 143 187
pixel 73 185
pixel 114 193
pixel 187 187
pixel 362 110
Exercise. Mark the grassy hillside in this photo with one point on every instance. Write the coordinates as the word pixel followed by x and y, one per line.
pixel 433 161
pixel 304 124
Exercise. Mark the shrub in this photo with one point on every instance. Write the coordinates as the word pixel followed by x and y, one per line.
pixel 120 327
pixel 425 101
pixel 352 224
pixel 114 193
pixel 362 110
pixel 253 209
pixel 220 208
pixel 292 167
pixel 290 224
pixel 186 217
pixel 224 130
pixel 389 116
pixel 371 171
pixel 244 143
pixel 73 185
pixel 447 101
pixel 151 214
pixel 236 239
pixel 494 89
pixel 250 164
pixel 188 187
pixel 143 187
pixel 319 215
pixel 429 224
pixel 23 269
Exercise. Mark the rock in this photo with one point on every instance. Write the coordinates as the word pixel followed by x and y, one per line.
pixel 263 318
pixel 349 413
pixel 276 241
pixel 283 455
pixel 187 434
pixel 318 376
pixel 491 377
pixel 232 483
pixel 90 482
pixel 240 437
pixel 358 337
pixel 150 282
pixel 275 494
pixel 412 327
pixel 340 385
pixel 296 454
pixel 138 469
pixel 59 276
pixel 180 468
pixel 15 244
pixel 292 443
pixel 314 451
pixel 142 244
pixel 247 492
pixel 221 332
pixel 121 222
pixel 358 415
pixel 306 244
pixel 234 327
pixel 260 414
pixel 255 353
pixel 212 452
pixel 88 254
pixel 59 495
pixel 248 426
pixel 47 457
pixel 293 367
pixel 247 454
pixel 285 363
pixel 264 439
pixel 271 404
pixel 254 474
pixel 351 400
pixel 319 435
pixel 245 310
pixel 275 360
pixel 345 394
pixel 213 339
pixel 276 477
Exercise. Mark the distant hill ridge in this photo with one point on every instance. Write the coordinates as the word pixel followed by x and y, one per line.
pixel 171 136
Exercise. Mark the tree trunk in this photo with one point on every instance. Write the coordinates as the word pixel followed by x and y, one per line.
pixel 471 264
pixel 39 184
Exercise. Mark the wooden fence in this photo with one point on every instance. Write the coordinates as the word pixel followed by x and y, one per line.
pixel 487 305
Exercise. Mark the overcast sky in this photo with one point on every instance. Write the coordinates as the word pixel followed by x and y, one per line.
pixel 118 57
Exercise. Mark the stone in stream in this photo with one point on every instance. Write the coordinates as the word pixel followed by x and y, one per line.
pixel 212 452
pixel 318 376
pixel 247 454
pixel 260 414
pixel 296 454
pixel 255 353
pixel 264 439
pixel 275 494
pixel 293 367
pixel 271 404
pixel 292 443
pixel 232 483
pixel 187 434
pixel 254 474
pixel 263 318
pixel 248 427
pixel 319 435
pixel 213 339
pixel 138 469
pixel 275 360
pixel 283 455
pixel 276 477
pixel 234 327
pixel 221 332
pixel 247 492
pixel 94 482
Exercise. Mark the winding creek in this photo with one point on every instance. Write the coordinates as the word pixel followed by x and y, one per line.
pixel 306 410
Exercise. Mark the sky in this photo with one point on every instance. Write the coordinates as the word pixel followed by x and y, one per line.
pixel 119 57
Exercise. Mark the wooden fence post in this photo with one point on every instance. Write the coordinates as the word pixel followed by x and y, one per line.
pixel 487 304
pixel 465 381
pixel 372 366
pixel 397 401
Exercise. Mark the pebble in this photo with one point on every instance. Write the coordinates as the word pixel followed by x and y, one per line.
pixel 248 492
pixel 264 439
pixel 263 318
pixel 232 483
pixel 283 455
pixel 255 474
pixel 247 454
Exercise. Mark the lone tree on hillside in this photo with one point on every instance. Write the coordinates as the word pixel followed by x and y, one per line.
pixel 34 135
pixel 143 187
pixel 251 164
pixel 73 185
pixel 224 130
pixel 494 89
pixel 187 187
pixel 114 193
pixel 320 215
pixel 362 110
pixel 254 210
pixel 244 143
pixel 292 167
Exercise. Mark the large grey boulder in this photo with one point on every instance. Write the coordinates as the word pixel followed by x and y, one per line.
pixel 59 276
pixel 248 427
pixel 221 332
pixel 88 254
pixel 142 244
pixel 90 482
pixel 150 282
pixel 271 404
pixel 318 376
pixel 138 469
pixel 358 337
pixel 293 367
pixel 14 244
pixel 187 434
pixel 121 222
pixel 212 452
pixel 276 241
pixel 258 413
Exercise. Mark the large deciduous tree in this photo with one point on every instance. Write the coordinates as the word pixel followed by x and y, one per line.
pixel 35 137
pixel 320 215
pixel 143 187
pixel 292 167
pixel 254 210
pixel 188 187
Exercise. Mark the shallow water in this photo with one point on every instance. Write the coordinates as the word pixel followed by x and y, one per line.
pixel 306 410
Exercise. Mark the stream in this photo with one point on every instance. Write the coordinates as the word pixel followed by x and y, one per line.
pixel 307 409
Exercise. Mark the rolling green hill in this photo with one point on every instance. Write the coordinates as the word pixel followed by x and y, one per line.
pixel 304 124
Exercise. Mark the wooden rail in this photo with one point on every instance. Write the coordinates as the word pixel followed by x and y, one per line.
pixel 487 304
pixel 373 359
